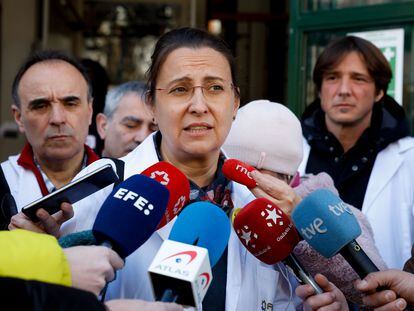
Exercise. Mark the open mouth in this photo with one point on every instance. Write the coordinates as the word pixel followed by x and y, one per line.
pixel 197 128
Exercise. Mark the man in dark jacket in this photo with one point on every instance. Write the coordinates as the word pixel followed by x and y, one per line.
pixel 358 135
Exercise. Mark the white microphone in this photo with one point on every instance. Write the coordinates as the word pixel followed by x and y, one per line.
pixel 181 270
pixel 180 273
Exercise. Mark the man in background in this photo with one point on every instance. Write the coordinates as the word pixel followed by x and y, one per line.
pixel 126 120
pixel 52 105
pixel 358 134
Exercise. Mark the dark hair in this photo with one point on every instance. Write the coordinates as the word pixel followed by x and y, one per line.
pixel 376 63
pixel 191 38
pixel 46 56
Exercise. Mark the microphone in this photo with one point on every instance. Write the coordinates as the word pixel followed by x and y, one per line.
pixel 177 184
pixel 130 214
pixel 270 236
pixel 330 227
pixel 239 172
pixel 181 270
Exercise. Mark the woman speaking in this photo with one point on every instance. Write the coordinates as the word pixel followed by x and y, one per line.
pixel 193 94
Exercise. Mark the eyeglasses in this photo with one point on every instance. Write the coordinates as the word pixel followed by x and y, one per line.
pixel 212 91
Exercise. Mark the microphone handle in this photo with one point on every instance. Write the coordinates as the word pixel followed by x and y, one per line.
pixel 103 291
pixel 301 273
pixel 358 259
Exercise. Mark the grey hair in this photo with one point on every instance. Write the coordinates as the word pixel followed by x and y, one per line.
pixel 114 95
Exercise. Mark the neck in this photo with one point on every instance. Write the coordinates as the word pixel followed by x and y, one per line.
pixel 200 171
pixel 61 172
pixel 347 135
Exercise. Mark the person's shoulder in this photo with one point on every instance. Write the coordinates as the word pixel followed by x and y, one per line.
pixel 404 146
pixel 10 167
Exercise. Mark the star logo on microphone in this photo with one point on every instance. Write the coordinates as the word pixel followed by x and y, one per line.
pixel 161 177
pixel 179 204
pixel 246 235
pixel 273 215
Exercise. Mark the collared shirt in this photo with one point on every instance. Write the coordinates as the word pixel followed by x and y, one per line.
pixel 27 161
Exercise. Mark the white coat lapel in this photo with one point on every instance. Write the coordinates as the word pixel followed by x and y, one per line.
pixel 386 165
pixel 141 157
pixel 306 151
pixel 236 252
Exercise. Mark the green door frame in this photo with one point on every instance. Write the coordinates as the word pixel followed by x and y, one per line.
pixel 302 23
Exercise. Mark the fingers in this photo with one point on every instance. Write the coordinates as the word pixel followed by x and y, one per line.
pixel 331 299
pixel 322 300
pixel 67 213
pixel 111 263
pixel 141 305
pixel 49 223
pixel 304 291
pixel 367 285
pixel 376 279
pixel 271 185
pixel 275 190
pixel 115 261
pixel 52 223
pixel 21 221
pixel 397 305
pixel 380 298
pixel 324 283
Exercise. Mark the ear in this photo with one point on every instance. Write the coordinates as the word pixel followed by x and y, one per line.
pixel 379 96
pixel 236 104
pixel 101 125
pixel 17 114
pixel 153 111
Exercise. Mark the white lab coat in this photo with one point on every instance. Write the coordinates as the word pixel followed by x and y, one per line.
pixel 389 200
pixel 251 284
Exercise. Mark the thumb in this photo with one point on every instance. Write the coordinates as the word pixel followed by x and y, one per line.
pixel 369 283
pixel 324 283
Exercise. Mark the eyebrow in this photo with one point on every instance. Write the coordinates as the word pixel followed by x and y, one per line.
pixel 354 73
pixel 42 100
pixel 188 79
pixel 131 118
pixel 69 98
pixel 38 101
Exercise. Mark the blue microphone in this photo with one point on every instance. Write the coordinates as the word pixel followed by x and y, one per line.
pixel 131 214
pixel 330 227
pixel 205 225
pixel 181 270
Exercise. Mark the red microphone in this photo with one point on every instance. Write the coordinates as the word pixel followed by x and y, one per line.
pixel 239 172
pixel 270 236
pixel 177 184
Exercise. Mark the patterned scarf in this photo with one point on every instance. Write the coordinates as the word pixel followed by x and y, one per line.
pixel 217 192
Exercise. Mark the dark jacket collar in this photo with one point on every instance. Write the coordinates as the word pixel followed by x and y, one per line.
pixel 388 123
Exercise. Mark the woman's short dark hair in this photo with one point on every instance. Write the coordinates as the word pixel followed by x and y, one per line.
pixel 376 63
pixel 45 56
pixel 180 38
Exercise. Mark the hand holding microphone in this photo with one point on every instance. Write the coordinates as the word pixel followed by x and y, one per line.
pixel 399 283
pixel 262 185
pixel 330 227
pixel 91 267
pixel 331 299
